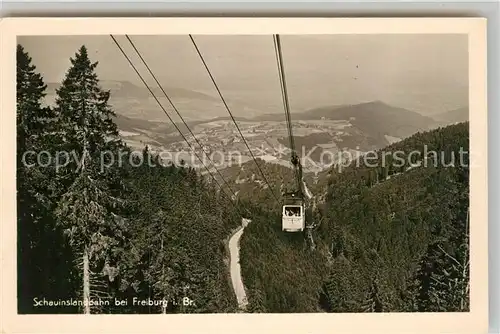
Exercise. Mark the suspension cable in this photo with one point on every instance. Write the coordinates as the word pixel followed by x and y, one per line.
pixel 232 117
pixel 171 120
pixel 281 72
pixel 286 104
pixel 178 113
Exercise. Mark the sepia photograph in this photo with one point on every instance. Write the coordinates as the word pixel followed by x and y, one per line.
pixel 271 173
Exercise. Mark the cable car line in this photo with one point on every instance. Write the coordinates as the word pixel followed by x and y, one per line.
pixel 231 115
pixel 280 77
pixel 284 95
pixel 178 113
pixel 292 222
pixel 286 104
pixel 294 157
pixel 171 120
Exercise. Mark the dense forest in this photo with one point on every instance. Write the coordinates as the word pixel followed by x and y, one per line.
pixel 391 238
pixel 129 230
pixel 99 221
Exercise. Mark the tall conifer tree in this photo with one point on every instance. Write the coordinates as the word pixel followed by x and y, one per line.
pixel 88 210
pixel 36 234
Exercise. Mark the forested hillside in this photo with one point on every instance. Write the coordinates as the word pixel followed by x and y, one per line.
pixel 103 223
pixel 99 221
pixel 393 237
pixel 279 271
pixel 262 185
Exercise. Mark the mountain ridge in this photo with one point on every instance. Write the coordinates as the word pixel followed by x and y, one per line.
pixel 453 116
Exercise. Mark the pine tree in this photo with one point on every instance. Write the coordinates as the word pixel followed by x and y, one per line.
pixel 257 302
pixel 37 239
pixel 373 302
pixel 89 210
pixel 442 281
pixel 32 117
pixel 32 121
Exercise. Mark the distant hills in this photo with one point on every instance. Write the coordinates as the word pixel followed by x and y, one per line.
pixel 136 101
pixel 377 118
pixel 128 89
pixel 453 116
pixel 325 130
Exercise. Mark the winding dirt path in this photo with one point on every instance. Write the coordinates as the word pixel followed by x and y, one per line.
pixel 235 269
pixel 307 191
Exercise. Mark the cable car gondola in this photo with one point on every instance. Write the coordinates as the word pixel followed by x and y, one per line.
pixel 293 213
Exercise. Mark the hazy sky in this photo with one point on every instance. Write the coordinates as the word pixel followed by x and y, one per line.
pixel 425 73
